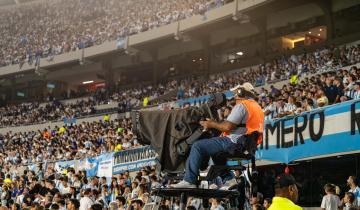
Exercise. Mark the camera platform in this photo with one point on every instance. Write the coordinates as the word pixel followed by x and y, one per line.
pixel 216 170
pixel 199 193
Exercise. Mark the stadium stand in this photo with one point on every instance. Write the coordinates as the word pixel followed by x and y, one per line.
pixel 73 25
pixel 278 70
pixel 34 170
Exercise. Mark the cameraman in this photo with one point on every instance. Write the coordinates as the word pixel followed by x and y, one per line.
pixel 245 118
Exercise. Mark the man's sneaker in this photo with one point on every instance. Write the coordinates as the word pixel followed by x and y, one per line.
pixel 213 187
pixel 183 184
pixel 228 184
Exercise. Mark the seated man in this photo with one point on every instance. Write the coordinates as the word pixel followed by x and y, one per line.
pixel 245 118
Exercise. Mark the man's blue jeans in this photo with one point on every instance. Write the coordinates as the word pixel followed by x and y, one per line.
pixel 204 149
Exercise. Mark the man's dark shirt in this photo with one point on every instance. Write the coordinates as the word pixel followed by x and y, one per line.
pixel 331 92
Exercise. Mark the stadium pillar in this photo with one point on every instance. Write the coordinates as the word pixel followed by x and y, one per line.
pixel 326 7
pixel 261 24
pixel 109 74
pixel 12 90
pixel 155 67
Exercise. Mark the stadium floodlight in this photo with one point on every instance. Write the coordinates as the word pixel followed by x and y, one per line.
pixel 240 53
pixel 88 82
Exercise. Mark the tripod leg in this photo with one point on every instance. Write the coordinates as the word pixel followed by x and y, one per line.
pixel 183 201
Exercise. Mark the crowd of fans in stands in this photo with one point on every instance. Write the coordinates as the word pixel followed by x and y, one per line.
pixel 48 188
pixel 55 110
pixel 67 25
pixel 327 59
pixel 72 141
pixel 304 93
pixel 74 191
pixel 29 113
pixel 311 93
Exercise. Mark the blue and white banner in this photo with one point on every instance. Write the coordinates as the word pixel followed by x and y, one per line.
pixel 134 160
pixel 133 166
pixel 61 166
pixel 324 131
pixel 90 165
pixel 105 164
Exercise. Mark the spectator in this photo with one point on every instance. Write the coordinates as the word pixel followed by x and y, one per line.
pixel 286 193
pixel 331 91
pixel 330 201
pixel 357 90
pixel 257 199
pixel 349 200
pixel 267 203
pixel 137 204
pixel 322 99
pixel 86 202
pixel 355 189
pixel 120 201
pixel 215 204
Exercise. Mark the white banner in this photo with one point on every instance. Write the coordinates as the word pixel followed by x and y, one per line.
pixel 105 165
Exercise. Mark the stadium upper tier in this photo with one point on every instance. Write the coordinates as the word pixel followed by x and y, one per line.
pixel 278 70
pixel 47 28
pixel 303 66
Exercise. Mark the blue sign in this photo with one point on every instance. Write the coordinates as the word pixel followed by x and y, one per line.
pixel 133 166
pixel 133 160
pixel 324 131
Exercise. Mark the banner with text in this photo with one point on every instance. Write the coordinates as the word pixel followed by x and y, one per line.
pixel 135 159
pixel 105 164
pixel 324 131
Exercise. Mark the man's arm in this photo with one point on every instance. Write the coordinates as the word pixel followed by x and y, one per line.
pixel 224 126
pixel 235 118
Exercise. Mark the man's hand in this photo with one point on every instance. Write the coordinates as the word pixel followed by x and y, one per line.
pixel 207 124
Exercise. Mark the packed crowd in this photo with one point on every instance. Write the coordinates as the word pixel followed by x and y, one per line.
pixel 29 113
pixel 75 190
pixel 67 25
pixel 68 142
pixel 55 109
pixel 322 60
pixel 305 93
pixel 48 188
pixel 311 93
pixel 329 83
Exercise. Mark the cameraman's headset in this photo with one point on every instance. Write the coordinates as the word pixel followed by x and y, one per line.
pixel 242 93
